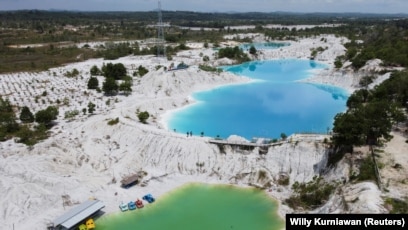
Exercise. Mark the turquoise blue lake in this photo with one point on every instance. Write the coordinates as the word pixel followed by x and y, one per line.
pixel 274 103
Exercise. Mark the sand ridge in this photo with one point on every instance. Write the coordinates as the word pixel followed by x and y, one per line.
pixel 86 157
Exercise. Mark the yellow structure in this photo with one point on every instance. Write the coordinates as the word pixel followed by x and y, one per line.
pixel 90 224
pixel 82 227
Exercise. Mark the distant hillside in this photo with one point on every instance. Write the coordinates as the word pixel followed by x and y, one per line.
pixel 188 16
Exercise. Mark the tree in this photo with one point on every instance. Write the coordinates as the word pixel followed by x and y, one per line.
pixel 348 129
pixel 283 136
pixel 126 87
pixel 233 53
pixel 338 63
pixel 47 115
pixel 8 122
pixel 93 83
pixel 142 70
pixel 371 114
pixel 110 87
pixel 357 98
pixel 91 107
pixel 143 116
pixel 73 73
pixel 95 71
pixel 252 50
pixel 26 116
pixel 116 71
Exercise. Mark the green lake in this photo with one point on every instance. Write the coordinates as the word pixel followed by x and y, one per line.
pixel 201 207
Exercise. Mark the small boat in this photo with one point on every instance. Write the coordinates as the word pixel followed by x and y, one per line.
pixel 139 203
pixel 123 207
pixel 132 205
pixel 149 198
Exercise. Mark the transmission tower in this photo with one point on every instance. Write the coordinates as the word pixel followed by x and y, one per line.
pixel 161 50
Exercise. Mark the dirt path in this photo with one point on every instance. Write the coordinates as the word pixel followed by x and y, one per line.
pixel 394 166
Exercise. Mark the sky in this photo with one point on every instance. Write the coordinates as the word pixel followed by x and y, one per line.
pixel 330 6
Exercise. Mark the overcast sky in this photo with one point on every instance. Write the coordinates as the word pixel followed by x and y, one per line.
pixel 364 6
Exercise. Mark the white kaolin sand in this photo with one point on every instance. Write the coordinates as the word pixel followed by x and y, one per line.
pixel 87 158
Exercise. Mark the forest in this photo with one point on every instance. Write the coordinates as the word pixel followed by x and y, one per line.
pixel 51 38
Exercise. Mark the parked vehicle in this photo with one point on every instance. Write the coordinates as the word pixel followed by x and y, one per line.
pixel 131 205
pixel 149 198
pixel 123 207
pixel 139 203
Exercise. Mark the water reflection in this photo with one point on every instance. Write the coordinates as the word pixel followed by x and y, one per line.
pixel 337 93
pixel 278 103
pixel 312 64
pixel 252 67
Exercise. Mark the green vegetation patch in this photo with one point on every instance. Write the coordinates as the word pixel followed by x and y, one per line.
pixel 113 121
pixel 397 206
pixel 310 195
pixel 233 53
pixel 208 68
pixel 366 171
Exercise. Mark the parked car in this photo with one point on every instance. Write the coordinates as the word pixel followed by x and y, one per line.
pixel 132 205
pixel 123 207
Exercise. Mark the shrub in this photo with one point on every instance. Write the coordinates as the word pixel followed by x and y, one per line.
pixel 116 71
pixel 141 70
pixel 46 116
pixel 143 116
pixel 233 53
pixel 95 71
pixel 71 114
pixel 93 83
pixel 252 50
pixel 109 86
pixel 91 107
pixel 209 68
pixel 26 116
pixel 310 195
pixel 283 180
pixel 113 121
pixel 366 80
pixel 73 73
pixel 398 206
pixel 31 137
pixel 367 171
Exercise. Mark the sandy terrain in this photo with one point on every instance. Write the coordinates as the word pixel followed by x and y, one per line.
pixel 86 157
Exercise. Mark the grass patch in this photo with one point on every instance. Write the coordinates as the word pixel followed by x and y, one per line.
pixel 397 206
pixel 209 68
pixel 30 137
pixel 283 180
pixel 40 59
pixel 113 121
pixel 367 171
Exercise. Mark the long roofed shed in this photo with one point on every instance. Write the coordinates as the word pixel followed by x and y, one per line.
pixel 78 214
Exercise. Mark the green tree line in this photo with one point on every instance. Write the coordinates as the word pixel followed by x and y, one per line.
pixel 371 114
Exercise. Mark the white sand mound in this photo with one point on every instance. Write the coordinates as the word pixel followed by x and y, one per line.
pixel 86 157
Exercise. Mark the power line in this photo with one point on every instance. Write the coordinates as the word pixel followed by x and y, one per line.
pixel 161 50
